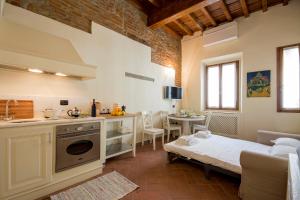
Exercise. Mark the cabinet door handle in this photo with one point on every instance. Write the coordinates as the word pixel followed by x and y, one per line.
pixel 49 138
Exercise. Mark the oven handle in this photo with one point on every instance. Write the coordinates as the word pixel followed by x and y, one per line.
pixel 76 136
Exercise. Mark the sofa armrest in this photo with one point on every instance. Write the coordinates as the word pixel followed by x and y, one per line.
pixel 265 137
pixel 263 176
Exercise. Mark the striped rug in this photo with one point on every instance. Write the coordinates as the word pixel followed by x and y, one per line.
pixel 111 186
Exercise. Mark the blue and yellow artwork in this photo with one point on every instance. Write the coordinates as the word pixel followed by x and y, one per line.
pixel 259 84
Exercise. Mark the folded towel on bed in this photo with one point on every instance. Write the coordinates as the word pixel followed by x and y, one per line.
pixel 202 134
pixel 186 141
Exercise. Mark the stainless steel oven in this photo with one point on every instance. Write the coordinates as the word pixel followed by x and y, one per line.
pixel 77 144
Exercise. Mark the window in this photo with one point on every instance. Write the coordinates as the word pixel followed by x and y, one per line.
pixel 288 78
pixel 222 86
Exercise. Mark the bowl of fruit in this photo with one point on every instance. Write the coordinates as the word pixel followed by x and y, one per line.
pixel 117 111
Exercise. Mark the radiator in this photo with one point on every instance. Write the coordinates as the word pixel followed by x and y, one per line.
pixel 224 123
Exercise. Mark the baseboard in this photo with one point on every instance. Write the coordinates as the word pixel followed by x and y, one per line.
pixel 55 186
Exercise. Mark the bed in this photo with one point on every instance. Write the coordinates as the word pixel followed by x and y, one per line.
pixel 264 176
pixel 216 151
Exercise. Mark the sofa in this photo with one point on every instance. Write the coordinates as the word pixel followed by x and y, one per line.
pixel 264 177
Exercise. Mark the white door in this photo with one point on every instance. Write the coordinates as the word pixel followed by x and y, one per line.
pixel 26 158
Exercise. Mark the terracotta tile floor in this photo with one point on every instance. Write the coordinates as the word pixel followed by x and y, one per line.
pixel 159 180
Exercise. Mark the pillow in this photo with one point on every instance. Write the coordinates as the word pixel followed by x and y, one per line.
pixel 186 140
pixel 287 141
pixel 282 151
pixel 202 134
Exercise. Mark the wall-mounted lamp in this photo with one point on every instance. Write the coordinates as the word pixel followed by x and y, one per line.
pixel 170 72
pixel 60 74
pixel 35 70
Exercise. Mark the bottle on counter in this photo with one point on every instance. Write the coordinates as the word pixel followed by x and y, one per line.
pixel 93 114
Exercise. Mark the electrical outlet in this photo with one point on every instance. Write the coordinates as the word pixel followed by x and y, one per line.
pixel 64 102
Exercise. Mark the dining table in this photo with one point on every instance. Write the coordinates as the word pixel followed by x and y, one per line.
pixel 186 121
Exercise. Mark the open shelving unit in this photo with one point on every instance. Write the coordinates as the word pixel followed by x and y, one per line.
pixel 111 135
pixel 118 142
pixel 113 150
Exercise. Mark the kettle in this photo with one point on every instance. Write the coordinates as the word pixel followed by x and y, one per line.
pixel 75 112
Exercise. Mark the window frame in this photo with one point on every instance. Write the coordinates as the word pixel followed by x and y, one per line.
pixel 279 79
pixel 237 90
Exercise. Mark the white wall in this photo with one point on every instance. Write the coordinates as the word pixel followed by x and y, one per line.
pixel 259 35
pixel 113 53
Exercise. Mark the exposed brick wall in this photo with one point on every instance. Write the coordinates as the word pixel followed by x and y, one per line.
pixel 117 15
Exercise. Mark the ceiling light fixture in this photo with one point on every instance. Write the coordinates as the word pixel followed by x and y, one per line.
pixel 35 70
pixel 60 74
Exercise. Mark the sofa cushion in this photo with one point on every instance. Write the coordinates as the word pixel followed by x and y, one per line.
pixel 282 151
pixel 287 141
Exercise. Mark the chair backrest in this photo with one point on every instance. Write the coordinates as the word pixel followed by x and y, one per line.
pixel 165 119
pixel 208 118
pixel 147 119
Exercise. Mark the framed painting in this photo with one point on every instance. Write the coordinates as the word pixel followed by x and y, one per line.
pixel 259 84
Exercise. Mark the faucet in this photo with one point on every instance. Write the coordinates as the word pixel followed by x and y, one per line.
pixel 7 117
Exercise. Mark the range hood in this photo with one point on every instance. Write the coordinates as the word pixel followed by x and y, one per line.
pixel 22 47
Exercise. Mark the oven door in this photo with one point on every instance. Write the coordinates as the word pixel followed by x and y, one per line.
pixel 76 150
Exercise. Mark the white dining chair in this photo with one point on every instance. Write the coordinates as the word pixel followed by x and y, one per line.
pixel 168 126
pixel 150 130
pixel 198 127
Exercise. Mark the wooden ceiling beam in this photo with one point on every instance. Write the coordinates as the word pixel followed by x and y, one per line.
pixel 208 16
pixel 225 10
pixel 285 2
pixel 244 8
pixel 171 31
pixel 144 5
pixel 195 21
pixel 176 10
pixel 264 4
pixel 183 27
pixel 155 2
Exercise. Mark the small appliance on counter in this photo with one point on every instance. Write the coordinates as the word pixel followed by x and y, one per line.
pixel 50 113
pixel 105 111
pixel 75 112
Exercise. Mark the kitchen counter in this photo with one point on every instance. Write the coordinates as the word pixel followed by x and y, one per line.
pixel 28 152
pixel 43 121
pixel 109 116
pixel 33 143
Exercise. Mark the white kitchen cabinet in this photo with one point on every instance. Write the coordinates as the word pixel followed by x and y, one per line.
pixel 26 158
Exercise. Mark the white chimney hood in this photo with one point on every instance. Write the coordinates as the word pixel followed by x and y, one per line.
pixel 22 47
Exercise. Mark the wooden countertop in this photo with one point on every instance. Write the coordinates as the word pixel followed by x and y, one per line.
pixel 43 121
pixel 109 116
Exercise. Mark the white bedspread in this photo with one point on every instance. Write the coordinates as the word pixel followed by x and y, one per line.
pixel 218 151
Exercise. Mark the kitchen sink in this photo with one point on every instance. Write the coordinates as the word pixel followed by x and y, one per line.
pixel 24 121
